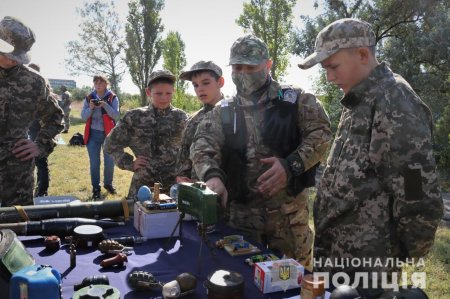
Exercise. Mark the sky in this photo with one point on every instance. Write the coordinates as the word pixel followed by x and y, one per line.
pixel 207 27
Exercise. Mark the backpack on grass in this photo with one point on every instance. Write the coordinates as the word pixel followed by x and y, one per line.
pixel 77 139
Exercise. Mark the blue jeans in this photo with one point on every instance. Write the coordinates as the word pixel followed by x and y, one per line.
pixel 94 146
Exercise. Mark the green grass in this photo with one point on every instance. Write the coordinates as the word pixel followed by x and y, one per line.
pixel 69 167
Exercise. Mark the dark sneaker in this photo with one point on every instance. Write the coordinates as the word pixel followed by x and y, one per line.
pixel 96 193
pixel 65 131
pixel 110 189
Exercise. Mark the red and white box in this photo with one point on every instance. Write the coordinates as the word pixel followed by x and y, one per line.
pixel 279 275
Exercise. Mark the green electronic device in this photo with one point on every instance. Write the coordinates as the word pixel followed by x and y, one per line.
pixel 198 200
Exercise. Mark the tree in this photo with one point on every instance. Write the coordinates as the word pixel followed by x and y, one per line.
pixel 143 36
pixel 411 35
pixel 100 44
pixel 175 61
pixel 271 21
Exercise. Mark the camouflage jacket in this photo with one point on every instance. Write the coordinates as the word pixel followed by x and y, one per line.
pixel 149 132
pixel 184 164
pixel 313 124
pixel 24 97
pixel 379 195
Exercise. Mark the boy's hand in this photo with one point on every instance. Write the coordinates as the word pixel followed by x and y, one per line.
pixel 25 149
pixel 140 162
pixel 216 185
pixel 274 179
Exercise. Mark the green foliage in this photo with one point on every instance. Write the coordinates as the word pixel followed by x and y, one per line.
pixel 330 95
pixel 100 44
pixel 442 138
pixel 271 21
pixel 143 36
pixel 129 101
pixel 186 102
pixel 175 59
pixel 78 94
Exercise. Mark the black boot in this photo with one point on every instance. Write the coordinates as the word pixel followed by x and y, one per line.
pixel 96 194
pixel 110 189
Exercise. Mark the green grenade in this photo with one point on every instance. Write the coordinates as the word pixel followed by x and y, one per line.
pixel 106 245
pixel 142 280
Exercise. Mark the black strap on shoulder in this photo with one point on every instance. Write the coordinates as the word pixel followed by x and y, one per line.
pixel 234 158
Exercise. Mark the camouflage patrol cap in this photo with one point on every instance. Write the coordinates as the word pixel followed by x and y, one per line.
pixel 248 49
pixel 18 35
pixel 341 34
pixel 201 66
pixel 160 74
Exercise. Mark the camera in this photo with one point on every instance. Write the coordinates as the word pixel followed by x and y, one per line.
pixel 96 102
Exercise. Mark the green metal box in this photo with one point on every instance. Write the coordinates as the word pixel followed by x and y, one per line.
pixel 199 201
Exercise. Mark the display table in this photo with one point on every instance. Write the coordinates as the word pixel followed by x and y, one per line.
pixel 191 256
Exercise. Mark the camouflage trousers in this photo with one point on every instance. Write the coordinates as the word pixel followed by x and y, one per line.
pixel 280 223
pixel 66 120
pixel 16 182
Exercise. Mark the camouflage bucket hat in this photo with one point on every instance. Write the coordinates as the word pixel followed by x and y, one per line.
pixel 161 74
pixel 248 50
pixel 201 66
pixel 18 35
pixel 341 34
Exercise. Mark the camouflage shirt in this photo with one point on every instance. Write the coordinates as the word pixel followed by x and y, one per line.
pixel 184 164
pixel 313 124
pixel 379 195
pixel 24 97
pixel 149 132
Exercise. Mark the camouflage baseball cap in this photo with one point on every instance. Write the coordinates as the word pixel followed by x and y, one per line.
pixel 18 35
pixel 341 34
pixel 248 49
pixel 161 74
pixel 201 66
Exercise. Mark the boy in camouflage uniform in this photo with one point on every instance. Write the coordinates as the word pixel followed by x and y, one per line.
pixel 66 100
pixel 153 134
pixel 379 196
pixel 259 144
pixel 207 80
pixel 24 97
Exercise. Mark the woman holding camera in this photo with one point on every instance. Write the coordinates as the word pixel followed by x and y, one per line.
pixel 100 111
